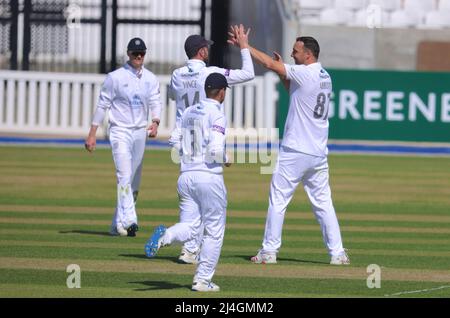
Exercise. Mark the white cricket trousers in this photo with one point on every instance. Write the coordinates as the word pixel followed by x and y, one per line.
pixel 203 200
pixel 292 168
pixel 128 146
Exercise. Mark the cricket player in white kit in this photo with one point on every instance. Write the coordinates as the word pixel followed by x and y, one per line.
pixel 200 140
pixel 131 95
pixel 187 88
pixel 303 153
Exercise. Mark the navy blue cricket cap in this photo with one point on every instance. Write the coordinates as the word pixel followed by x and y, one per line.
pixel 194 43
pixel 136 44
pixel 216 81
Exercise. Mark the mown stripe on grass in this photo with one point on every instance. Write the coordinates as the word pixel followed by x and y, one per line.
pixel 103 230
pixel 377 229
pixel 228 256
pixel 229 242
pixel 168 219
pixel 142 283
pixel 432 208
pixel 240 270
pixel 227 247
pixel 301 215
pixel 137 290
pixel 147 284
pixel 94 236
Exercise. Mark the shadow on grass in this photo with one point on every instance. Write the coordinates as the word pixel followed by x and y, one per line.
pixel 158 285
pixel 280 259
pixel 86 232
pixel 301 261
pixel 142 256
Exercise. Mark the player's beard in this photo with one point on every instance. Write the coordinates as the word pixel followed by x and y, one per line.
pixel 206 57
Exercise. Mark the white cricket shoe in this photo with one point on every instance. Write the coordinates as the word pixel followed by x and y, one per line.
pixel 201 285
pixel 341 259
pixel 264 258
pixel 188 257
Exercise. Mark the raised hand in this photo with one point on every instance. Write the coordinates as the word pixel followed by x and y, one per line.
pixel 238 36
pixel 232 37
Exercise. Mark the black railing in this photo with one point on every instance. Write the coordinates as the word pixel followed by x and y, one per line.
pixel 9 12
pixel 44 36
pixel 116 21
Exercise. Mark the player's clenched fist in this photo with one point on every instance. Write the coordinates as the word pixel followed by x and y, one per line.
pixel 90 144
pixel 91 140
pixel 153 129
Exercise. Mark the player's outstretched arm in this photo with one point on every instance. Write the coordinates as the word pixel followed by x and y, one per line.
pixel 268 62
pixel 286 82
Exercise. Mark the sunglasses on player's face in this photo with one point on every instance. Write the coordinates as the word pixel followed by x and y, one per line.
pixel 137 53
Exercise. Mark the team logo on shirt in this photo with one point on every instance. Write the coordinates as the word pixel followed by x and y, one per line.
pixel 219 129
pixel 190 74
pixel 136 101
pixel 227 72
pixel 324 74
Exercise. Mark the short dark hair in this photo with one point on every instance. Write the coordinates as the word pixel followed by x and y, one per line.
pixel 311 44
pixel 212 92
pixel 193 52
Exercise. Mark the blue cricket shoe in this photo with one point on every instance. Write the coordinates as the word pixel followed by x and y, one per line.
pixel 154 242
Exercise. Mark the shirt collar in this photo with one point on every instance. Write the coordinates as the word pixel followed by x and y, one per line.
pixel 315 64
pixel 194 62
pixel 137 73
pixel 213 102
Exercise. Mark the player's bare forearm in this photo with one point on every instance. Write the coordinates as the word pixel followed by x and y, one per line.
pixel 286 83
pixel 261 57
pixel 268 62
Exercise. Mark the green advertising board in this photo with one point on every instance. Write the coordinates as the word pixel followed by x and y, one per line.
pixel 386 106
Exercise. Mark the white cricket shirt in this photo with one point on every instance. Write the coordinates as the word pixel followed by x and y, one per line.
pixel 187 85
pixel 200 137
pixel 306 128
pixel 129 97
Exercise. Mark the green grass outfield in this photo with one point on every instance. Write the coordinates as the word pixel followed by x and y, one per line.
pixel 56 206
